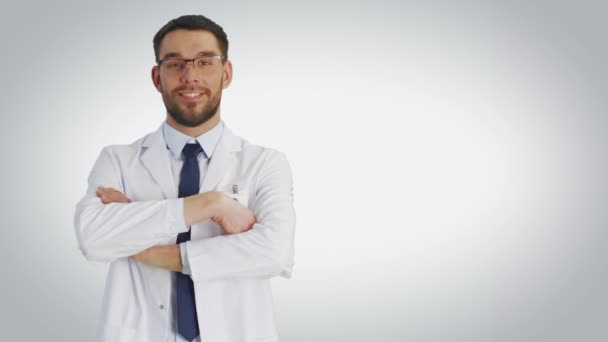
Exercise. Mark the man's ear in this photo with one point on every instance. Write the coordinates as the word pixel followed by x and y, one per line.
pixel 227 75
pixel 156 77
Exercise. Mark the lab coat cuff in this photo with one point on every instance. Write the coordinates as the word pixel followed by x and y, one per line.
pixel 176 223
pixel 185 262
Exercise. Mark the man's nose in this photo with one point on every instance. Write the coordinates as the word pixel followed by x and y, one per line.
pixel 190 75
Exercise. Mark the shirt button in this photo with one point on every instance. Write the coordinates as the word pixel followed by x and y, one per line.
pixel 161 307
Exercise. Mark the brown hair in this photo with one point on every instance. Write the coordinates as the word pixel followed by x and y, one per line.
pixel 192 22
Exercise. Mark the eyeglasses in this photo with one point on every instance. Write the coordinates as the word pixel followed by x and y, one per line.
pixel 205 65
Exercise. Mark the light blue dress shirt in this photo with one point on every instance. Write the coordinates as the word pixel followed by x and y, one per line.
pixel 176 141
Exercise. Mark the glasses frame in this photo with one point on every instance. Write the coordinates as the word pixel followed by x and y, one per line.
pixel 220 57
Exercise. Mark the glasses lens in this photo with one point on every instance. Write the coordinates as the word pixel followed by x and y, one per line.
pixel 202 64
pixel 206 62
pixel 174 65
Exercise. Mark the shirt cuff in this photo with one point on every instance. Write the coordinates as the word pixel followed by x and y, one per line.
pixel 176 223
pixel 185 262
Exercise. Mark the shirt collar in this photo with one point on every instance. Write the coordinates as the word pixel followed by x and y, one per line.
pixel 176 140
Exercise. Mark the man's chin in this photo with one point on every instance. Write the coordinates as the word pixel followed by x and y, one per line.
pixel 191 119
pixel 193 122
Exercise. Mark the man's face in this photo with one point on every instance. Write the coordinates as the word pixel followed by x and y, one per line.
pixel 192 96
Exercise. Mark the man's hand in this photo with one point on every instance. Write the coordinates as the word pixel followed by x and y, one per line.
pixel 167 257
pixel 232 216
pixel 111 195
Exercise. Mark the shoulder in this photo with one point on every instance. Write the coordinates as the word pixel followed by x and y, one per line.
pixel 129 150
pixel 258 152
pixel 266 160
pixel 121 155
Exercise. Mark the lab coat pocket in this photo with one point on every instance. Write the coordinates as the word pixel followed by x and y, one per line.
pixel 238 192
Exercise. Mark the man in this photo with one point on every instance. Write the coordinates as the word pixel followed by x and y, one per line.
pixel 193 220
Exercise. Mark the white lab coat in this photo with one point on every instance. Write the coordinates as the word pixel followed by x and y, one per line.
pixel 230 272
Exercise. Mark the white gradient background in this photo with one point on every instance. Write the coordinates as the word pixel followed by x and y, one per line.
pixel 449 159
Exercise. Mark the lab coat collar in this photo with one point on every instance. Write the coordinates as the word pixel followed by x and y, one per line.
pixel 176 140
pixel 155 158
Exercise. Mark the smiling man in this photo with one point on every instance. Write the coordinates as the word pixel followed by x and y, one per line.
pixel 193 220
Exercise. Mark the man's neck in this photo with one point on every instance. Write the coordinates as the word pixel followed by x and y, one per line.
pixel 195 131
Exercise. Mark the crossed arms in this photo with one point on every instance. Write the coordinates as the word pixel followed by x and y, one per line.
pixel 231 216
pixel 119 228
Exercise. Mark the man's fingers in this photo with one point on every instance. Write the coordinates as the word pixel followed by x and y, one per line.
pixel 105 189
pixel 103 195
pixel 111 195
pixel 101 191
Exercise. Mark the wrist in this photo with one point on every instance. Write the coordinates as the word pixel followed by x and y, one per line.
pixel 202 207
pixel 217 200
pixel 175 258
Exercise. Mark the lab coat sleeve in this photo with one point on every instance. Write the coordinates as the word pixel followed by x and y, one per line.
pixel 267 249
pixel 106 232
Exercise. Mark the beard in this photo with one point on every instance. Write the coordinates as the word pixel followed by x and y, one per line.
pixel 189 116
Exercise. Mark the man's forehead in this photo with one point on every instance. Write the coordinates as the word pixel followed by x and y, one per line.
pixel 189 42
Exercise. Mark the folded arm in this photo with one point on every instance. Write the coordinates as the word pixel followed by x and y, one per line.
pixel 267 249
pixel 106 232
pixel 233 217
pixel 110 226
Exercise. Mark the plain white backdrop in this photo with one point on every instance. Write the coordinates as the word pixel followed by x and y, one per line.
pixel 449 159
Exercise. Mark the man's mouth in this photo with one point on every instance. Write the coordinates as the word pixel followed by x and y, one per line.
pixel 190 95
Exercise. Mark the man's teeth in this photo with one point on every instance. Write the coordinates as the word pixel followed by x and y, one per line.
pixel 191 94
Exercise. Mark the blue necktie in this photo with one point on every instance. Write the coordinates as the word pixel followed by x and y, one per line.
pixel 187 324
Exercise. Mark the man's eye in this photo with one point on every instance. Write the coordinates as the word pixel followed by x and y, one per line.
pixel 176 65
pixel 202 63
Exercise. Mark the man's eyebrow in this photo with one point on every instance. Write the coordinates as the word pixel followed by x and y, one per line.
pixel 171 55
pixel 200 54
pixel 207 53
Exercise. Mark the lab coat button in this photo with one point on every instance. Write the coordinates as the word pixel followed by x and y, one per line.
pixel 161 307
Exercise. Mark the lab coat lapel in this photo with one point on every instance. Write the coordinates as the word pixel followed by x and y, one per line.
pixel 224 157
pixel 155 158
